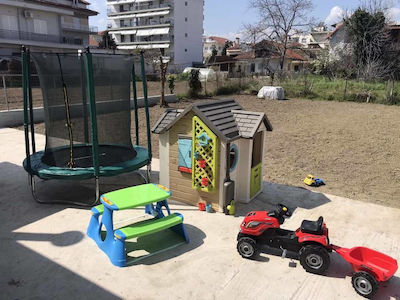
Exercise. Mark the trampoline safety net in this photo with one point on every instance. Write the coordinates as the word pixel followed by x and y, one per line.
pixel 67 109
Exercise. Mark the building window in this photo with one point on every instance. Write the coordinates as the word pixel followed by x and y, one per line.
pixel 121 8
pixel 185 154
pixel 186 3
pixel 122 39
pixel 185 50
pixel 8 22
pixel 186 35
pixel 185 19
pixel 206 48
pixel 40 26
pixel 132 38
pixel 122 23
pixel 233 157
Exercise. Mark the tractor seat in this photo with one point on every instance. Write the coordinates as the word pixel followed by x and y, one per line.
pixel 313 227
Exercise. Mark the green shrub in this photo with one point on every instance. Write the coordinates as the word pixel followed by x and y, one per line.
pixel 228 90
pixel 171 83
pixel 195 86
pixel 183 77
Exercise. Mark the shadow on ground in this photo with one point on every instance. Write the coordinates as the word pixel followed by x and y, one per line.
pixel 291 196
pixel 163 246
pixel 29 273
pixel 338 268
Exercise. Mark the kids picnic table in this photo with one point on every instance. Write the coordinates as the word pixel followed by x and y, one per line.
pixel 154 197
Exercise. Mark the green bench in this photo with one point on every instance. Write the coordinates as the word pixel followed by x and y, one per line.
pixel 148 227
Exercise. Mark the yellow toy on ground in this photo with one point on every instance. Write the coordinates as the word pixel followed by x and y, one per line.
pixel 311 180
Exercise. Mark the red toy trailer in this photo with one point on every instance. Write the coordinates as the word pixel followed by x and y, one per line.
pixel 311 243
pixel 370 268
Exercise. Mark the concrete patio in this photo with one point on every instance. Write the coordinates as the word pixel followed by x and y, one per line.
pixel 46 253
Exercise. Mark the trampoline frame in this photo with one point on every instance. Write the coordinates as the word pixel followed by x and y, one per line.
pixel 30 143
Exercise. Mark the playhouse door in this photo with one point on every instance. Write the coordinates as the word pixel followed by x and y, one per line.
pixel 256 165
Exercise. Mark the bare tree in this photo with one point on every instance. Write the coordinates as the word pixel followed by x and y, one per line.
pixel 252 33
pixel 281 19
pixel 374 6
pixel 163 77
pixel 159 64
pixel 370 42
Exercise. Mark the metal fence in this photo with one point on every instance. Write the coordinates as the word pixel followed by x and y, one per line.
pixel 11 91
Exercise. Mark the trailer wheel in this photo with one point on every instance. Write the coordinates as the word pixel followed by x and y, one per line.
pixel 247 247
pixel 314 259
pixel 365 284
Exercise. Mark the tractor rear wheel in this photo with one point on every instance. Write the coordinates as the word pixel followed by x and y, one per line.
pixel 314 259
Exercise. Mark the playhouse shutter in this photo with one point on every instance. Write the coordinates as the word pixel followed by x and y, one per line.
pixel 185 157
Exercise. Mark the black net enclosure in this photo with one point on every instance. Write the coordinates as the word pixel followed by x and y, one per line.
pixel 87 113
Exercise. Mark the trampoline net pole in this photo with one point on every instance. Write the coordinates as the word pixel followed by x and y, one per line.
pixel 84 101
pixel 135 105
pixel 26 117
pixel 30 101
pixel 146 103
pixel 93 113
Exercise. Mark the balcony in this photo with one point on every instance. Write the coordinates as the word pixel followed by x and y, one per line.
pixel 148 40
pixel 78 28
pixel 141 25
pixel 138 9
pixel 37 37
pixel 132 5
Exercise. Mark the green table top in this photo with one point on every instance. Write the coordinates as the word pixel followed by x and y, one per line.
pixel 135 196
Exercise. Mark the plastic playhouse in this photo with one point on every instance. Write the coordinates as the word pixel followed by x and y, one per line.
pixel 212 152
pixel 153 197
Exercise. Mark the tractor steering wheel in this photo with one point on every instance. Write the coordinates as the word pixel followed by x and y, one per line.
pixel 284 210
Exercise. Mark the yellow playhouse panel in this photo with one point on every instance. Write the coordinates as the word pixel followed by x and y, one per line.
pixel 204 157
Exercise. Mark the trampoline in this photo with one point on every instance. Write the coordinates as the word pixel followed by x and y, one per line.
pixel 87 113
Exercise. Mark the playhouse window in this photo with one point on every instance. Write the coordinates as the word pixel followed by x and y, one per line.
pixel 233 157
pixel 185 155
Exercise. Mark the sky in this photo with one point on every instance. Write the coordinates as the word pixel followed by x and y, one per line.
pixel 226 17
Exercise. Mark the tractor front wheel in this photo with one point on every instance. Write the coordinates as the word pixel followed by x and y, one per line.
pixel 314 259
pixel 247 247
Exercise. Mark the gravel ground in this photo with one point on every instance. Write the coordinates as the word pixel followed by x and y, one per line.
pixel 354 147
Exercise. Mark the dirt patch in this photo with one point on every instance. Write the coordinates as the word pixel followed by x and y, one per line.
pixel 354 147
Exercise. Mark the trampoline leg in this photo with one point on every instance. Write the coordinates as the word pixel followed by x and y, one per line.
pixel 148 173
pixel 32 184
pixel 97 190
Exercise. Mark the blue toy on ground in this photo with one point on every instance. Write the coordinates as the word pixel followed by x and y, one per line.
pixel 113 244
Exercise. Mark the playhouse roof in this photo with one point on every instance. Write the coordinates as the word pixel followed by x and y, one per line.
pixel 249 121
pixel 226 118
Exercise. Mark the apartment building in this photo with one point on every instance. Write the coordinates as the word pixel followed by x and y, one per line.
pixel 173 25
pixel 44 25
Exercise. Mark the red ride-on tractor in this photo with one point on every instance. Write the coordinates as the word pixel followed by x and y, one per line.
pixel 311 244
